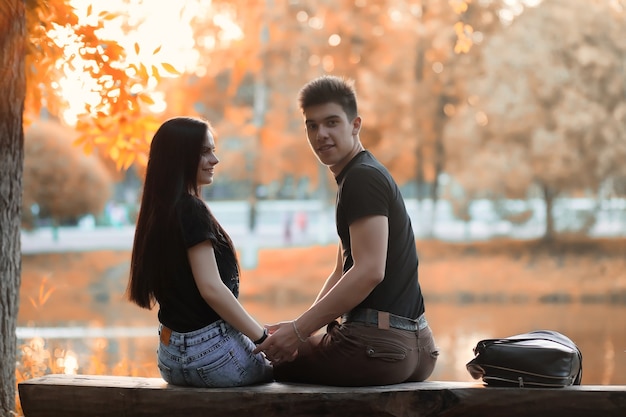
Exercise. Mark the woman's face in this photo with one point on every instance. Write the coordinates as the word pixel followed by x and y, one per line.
pixel 208 160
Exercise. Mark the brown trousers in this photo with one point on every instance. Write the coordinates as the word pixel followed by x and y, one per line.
pixel 356 354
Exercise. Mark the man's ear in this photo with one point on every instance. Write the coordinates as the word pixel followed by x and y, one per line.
pixel 356 125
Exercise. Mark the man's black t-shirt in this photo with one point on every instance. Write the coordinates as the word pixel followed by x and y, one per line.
pixel 182 308
pixel 366 188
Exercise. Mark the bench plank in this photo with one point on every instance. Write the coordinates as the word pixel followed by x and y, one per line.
pixel 103 396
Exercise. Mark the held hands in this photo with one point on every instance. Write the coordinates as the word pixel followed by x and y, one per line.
pixel 282 344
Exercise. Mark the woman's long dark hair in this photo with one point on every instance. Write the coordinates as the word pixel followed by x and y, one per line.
pixel 171 173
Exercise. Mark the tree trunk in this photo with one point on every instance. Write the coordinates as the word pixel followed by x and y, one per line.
pixel 419 174
pixel 440 154
pixel 548 198
pixel 422 191
pixel 419 151
pixel 12 91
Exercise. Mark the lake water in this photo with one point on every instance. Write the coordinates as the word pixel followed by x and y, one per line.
pixel 598 329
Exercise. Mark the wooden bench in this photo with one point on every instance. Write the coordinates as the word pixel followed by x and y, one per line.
pixel 88 395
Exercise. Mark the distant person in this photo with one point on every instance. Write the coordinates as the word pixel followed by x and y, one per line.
pixel 302 223
pixel 184 261
pixel 382 336
pixel 287 232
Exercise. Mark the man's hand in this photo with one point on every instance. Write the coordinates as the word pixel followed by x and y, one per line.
pixel 282 344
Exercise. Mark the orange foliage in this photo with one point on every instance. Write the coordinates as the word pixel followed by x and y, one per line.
pixel 376 43
pixel 58 42
pixel 60 179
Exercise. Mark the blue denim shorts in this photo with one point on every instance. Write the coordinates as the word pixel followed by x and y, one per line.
pixel 215 356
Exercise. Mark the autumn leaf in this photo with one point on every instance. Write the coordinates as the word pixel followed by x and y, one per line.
pixel 87 148
pixel 143 71
pixel 128 160
pixel 170 68
pixel 107 16
pixel 137 48
pixel 146 98
pixel 155 73
pixel 80 140
pixel 114 153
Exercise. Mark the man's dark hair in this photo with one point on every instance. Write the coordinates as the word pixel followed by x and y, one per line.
pixel 330 89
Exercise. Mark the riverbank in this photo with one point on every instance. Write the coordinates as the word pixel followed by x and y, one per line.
pixel 78 285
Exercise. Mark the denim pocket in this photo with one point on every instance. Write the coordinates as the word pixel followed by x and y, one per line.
pixel 224 371
pixel 385 350
pixel 165 371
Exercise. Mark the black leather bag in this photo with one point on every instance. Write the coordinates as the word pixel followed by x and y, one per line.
pixel 541 358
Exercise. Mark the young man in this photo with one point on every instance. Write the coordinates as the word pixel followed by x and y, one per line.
pixel 382 336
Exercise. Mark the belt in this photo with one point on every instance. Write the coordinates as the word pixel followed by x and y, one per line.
pixel 384 320
pixel 194 337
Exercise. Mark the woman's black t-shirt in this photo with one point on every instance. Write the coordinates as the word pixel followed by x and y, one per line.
pixel 366 188
pixel 182 308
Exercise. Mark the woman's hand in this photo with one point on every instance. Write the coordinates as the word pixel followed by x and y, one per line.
pixel 282 344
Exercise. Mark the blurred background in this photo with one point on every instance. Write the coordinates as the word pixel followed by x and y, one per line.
pixel 503 121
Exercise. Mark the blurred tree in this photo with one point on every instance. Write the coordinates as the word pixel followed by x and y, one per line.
pixel 40 41
pixel 448 47
pixel 59 178
pixel 549 110
pixel 396 52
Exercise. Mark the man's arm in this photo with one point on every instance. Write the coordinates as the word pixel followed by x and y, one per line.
pixel 368 237
pixel 334 277
pixel 369 251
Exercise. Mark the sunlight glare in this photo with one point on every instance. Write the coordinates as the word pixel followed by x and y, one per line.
pixel 69 363
pixel 316 22
pixel 230 31
pixel 395 15
pixel 167 27
pixel 314 60
pixel 481 119
pixel 302 16
pixel 334 40
pixel 532 3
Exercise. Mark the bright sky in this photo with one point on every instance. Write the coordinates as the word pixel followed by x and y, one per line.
pixel 165 25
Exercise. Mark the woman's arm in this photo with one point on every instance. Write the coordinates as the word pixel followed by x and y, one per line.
pixel 216 294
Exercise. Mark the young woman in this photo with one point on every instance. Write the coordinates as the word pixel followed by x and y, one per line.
pixel 183 260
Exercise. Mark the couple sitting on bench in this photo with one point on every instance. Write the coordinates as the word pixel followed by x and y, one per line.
pixel 371 304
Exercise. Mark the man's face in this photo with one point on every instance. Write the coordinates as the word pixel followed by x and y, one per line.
pixel 333 138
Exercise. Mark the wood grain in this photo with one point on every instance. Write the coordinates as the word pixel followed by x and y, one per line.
pixel 103 396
